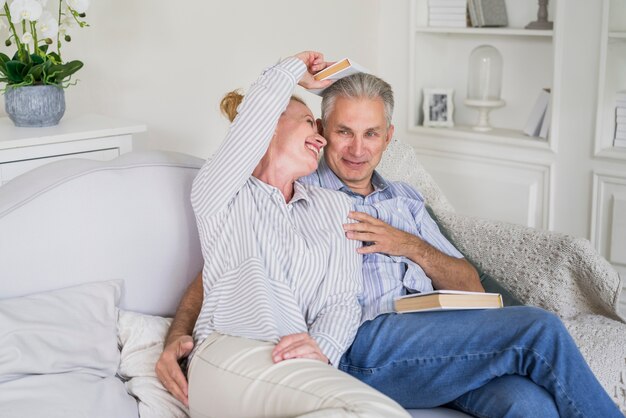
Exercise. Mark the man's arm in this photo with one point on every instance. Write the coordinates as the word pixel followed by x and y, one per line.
pixel 445 272
pixel 179 343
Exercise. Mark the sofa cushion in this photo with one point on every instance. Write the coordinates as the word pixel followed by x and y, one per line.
pixel 66 395
pixel 61 331
pixel 59 354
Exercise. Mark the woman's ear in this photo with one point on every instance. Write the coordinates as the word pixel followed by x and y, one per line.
pixel 320 127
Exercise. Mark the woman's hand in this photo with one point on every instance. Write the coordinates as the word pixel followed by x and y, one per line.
pixel 297 346
pixel 315 63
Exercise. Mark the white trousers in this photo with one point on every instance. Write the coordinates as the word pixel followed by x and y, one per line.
pixel 236 377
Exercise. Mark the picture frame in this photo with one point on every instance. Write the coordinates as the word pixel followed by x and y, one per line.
pixel 438 107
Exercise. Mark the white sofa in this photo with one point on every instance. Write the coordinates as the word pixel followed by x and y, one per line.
pixel 119 239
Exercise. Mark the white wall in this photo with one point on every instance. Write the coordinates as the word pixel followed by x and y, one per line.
pixel 168 64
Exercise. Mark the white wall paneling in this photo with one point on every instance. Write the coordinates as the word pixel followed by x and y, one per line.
pixel 505 190
pixel 608 222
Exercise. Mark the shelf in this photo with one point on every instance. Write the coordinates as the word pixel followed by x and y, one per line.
pixel 616 153
pixel 498 136
pixel 617 35
pixel 485 31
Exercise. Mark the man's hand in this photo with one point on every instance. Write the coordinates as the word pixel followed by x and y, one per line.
pixel 385 238
pixel 446 272
pixel 315 63
pixel 168 369
pixel 297 346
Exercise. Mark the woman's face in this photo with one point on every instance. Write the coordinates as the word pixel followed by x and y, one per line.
pixel 296 145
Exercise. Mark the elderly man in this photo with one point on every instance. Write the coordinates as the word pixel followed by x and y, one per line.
pixel 514 362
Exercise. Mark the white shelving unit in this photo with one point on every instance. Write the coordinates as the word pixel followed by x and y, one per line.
pixel 439 59
pixel 608 220
pixel 612 77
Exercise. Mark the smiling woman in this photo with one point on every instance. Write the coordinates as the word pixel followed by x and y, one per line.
pixel 280 281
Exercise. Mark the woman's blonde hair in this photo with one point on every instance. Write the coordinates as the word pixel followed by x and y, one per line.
pixel 233 99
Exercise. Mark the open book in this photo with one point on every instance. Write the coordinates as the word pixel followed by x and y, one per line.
pixel 447 299
pixel 340 69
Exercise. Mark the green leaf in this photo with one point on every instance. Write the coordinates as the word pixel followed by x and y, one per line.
pixel 37 72
pixel 59 72
pixel 3 63
pixel 56 59
pixel 16 71
pixel 36 59
pixel 44 48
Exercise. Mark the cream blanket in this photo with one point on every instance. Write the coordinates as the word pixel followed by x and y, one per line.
pixel 557 272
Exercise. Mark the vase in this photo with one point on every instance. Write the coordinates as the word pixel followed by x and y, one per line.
pixel 35 106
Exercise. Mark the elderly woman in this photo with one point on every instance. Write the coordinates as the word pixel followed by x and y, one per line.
pixel 281 281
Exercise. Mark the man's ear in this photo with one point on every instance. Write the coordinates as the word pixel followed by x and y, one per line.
pixel 320 127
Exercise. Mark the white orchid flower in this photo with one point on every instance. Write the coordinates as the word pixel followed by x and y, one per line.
pixel 27 38
pixel 47 25
pixel 43 3
pixel 68 25
pixel 80 6
pixel 25 10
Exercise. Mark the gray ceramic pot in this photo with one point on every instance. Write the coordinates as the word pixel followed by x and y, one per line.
pixel 35 106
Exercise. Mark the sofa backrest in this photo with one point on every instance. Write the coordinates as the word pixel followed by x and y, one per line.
pixel 77 221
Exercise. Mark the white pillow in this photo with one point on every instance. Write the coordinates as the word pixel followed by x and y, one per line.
pixel 66 395
pixel 66 330
pixel 141 340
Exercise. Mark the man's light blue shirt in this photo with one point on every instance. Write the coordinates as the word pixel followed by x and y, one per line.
pixel 399 205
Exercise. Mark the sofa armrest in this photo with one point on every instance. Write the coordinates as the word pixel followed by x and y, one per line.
pixel 557 272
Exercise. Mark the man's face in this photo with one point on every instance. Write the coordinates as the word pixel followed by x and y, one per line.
pixel 357 135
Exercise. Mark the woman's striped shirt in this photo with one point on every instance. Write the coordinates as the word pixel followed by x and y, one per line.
pixel 273 268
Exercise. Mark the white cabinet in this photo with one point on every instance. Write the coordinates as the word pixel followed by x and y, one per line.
pixel 89 136
pixel 612 76
pixel 609 187
pixel 501 174
pixel 575 181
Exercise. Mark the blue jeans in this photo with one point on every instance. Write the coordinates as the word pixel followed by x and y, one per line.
pixel 488 363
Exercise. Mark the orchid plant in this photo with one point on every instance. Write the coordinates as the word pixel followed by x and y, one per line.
pixel 33 27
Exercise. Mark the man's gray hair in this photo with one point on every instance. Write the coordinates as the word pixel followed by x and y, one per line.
pixel 358 86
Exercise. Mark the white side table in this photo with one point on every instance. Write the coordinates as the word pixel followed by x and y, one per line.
pixel 89 136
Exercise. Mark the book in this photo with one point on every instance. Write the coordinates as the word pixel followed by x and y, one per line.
pixel 545 123
pixel 620 134
pixel 620 127
pixel 491 13
pixel 446 10
pixel 451 16
pixel 620 111
pixel 447 23
pixel 340 69
pixel 619 143
pixel 537 114
pixel 447 3
pixel 447 300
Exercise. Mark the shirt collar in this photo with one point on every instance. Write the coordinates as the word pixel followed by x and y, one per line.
pixel 299 191
pixel 329 180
